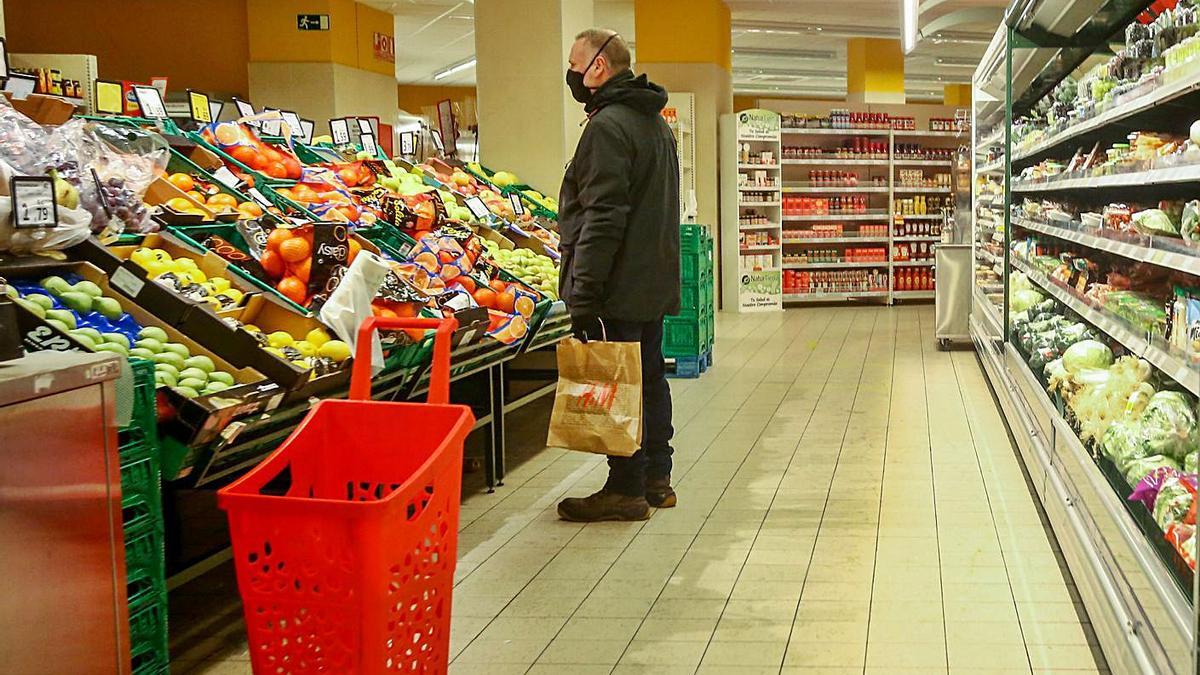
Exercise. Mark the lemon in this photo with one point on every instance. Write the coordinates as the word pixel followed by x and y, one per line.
pixel 219 284
pixel 232 293
pixel 276 352
pixel 302 365
pixel 334 349
pixel 193 275
pixel 186 263
pixel 280 339
pixel 251 328
pixel 156 268
pixel 161 255
pixel 317 337
pixel 143 256
pixel 305 347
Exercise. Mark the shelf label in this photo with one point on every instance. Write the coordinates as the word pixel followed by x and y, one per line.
pixel 226 177
pixel 517 205
pixel 368 144
pixel 127 282
pixel 306 130
pixel 293 123
pixel 21 85
pixel 243 107
pixel 408 144
pixel 149 99
pixel 199 107
pixel 340 130
pixel 4 59
pixel 34 203
pixel 477 207
pixel 259 197
pixel 364 126
pixel 214 109
pixel 437 140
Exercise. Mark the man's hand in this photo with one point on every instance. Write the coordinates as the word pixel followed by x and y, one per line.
pixel 587 327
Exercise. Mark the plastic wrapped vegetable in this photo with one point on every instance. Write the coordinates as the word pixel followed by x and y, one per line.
pixel 1170 425
pixel 1183 538
pixel 1156 222
pixel 1087 354
pixel 1136 469
pixel 1123 439
pixel 1189 462
pixel 1174 499
pixel 1146 491
pixel 1024 299
pixel 1190 226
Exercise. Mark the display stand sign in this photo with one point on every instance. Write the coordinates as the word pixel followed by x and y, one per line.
pixel 437 141
pixel 226 177
pixel 110 99
pixel 150 101
pixel 364 126
pixel 368 144
pixel 273 125
pixel 293 123
pixel 477 207
pixel 215 108
pixel 21 85
pixel 306 130
pixel 517 205
pixel 34 203
pixel 758 124
pixel 761 290
pixel 340 130
pixel 3 59
pixel 408 144
pixel 199 107
pixel 243 107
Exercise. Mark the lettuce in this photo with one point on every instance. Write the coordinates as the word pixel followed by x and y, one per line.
pixel 1023 299
pixel 1087 354
pixel 1169 424
pixel 1174 500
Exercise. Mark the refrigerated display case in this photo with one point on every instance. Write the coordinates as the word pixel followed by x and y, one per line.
pixel 1086 268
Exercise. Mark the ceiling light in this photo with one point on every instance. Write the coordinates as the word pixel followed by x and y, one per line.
pixel 909 35
pixel 457 68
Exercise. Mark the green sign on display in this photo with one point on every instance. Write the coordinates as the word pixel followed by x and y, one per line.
pixel 761 289
pixel 758 124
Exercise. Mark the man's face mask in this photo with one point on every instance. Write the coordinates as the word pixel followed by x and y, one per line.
pixel 575 77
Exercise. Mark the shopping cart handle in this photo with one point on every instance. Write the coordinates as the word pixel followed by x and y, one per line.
pixel 439 375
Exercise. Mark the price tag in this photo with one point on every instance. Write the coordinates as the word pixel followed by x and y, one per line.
pixel 307 127
pixel 109 98
pixel 21 86
pixel 214 109
pixel 368 144
pixel 3 61
pixel 272 126
pixel 364 126
pixel 34 203
pixel 199 107
pixel 293 122
pixel 243 107
pixel 408 144
pixel 437 140
pixel 226 177
pixel 127 282
pixel 149 99
pixel 340 130
pixel 478 208
pixel 258 197
pixel 518 206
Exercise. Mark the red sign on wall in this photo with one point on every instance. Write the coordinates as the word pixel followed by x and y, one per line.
pixel 385 47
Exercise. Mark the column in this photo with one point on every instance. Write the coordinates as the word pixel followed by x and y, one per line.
pixel 528 122
pixel 874 71
pixel 958 95
pixel 684 45
pixel 335 71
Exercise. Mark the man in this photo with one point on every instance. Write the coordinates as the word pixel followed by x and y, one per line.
pixel 619 220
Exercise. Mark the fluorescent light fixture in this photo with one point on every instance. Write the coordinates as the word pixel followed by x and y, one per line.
pixel 457 68
pixel 909 35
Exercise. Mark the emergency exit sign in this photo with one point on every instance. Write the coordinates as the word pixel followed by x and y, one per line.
pixel 312 22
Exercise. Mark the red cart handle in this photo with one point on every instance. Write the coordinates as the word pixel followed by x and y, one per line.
pixel 439 376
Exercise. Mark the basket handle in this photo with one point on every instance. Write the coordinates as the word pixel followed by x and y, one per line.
pixel 439 376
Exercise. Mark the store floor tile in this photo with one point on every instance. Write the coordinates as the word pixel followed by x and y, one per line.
pixel 849 502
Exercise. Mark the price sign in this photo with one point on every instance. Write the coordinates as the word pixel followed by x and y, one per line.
pixel 437 140
pixel 199 107
pixel 477 207
pixel 368 144
pixel 243 107
pixel 149 99
pixel 259 197
pixel 4 60
pixel 364 126
pixel 272 126
pixel 408 144
pixel 293 122
pixel 340 129
pixel 21 86
pixel 306 131
pixel 34 203
pixel 226 177
pixel 518 206
pixel 214 109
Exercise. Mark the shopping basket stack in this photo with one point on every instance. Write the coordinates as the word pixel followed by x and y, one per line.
pixel 688 336
pixel 344 539
pixel 141 507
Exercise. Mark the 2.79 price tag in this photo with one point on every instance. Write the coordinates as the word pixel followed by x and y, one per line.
pixel 34 204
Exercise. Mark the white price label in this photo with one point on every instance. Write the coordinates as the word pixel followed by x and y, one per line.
pixel 126 282
pixel 306 131
pixel 477 207
pixel 368 144
pixel 243 107
pixel 272 126
pixel 408 144
pixel 3 61
pixel 340 130
pixel 518 206
pixel 226 177
pixel 364 126
pixel 293 122
pixel 437 140
pixel 150 100
pixel 34 203
pixel 214 109
pixel 20 85
pixel 258 197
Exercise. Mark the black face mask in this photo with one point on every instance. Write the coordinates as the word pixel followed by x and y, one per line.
pixel 575 77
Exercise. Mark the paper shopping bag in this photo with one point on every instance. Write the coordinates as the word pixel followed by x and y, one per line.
pixel 598 404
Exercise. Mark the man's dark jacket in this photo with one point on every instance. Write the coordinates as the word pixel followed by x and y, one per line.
pixel 619 208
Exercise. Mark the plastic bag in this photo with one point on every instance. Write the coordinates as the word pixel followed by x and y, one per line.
pixel 1138 468
pixel 126 162
pixel 1190 227
pixel 1147 488
pixel 1155 221
pixel 1169 424
pixel 72 228
pixel 1175 498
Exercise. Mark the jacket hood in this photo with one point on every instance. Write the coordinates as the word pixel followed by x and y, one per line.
pixel 637 92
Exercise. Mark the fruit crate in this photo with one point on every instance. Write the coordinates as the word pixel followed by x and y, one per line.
pixel 194 236
pixel 260 179
pixel 148 635
pixel 686 336
pixel 140 476
pixel 145 565
pixel 178 163
pixel 143 424
pixel 166 125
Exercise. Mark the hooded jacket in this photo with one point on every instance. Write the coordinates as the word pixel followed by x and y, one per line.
pixel 619 208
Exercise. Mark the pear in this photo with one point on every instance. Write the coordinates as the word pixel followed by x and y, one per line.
pixel 153 332
pixel 65 316
pixel 177 348
pixel 82 338
pixel 80 302
pixel 110 308
pixel 141 353
pixel 152 344
pixel 192 382
pixel 112 347
pixel 116 338
pixel 193 372
pixel 41 300
pixel 200 362
pixel 221 376
pixel 32 307
pixel 55 284
pixel 186 392
pixel 88 287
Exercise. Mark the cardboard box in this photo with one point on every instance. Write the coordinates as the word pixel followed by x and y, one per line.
pixel 43 109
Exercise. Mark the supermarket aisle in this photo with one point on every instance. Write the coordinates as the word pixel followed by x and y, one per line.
pixel 849 503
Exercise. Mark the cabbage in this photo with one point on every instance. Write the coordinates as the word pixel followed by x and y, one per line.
pixel 1170 425
pixel 1138 468
pixel 1023 299
pixel 1123 439
pixel 1154 221
pixel 1189 461
pixel 1087 354
pixel 1174 500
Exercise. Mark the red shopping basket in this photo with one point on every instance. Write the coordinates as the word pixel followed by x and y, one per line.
pixel 344 538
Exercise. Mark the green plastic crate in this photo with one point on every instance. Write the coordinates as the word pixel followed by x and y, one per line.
pixel 145 571
pixel 143 425
pixel 140 476
pixel 685 336
pixel 195 235
pixel 148 635
pixel 260 179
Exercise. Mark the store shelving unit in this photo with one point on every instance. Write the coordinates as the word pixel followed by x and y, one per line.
pixel 684 105
pixel 1142 602
pixel 751 253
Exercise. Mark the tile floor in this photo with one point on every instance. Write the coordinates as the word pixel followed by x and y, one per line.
pixel 849 503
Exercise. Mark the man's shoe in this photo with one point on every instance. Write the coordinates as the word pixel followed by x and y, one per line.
pixel 659 493
pixel 603 505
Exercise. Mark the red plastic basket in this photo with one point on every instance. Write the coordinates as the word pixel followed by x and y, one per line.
pixel 344 539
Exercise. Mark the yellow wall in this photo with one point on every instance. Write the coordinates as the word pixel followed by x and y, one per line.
pixel 957 94
pixel 349 40
pixel 874 70
pixel 657 26
pixel 371 21
pixel 207 52
pixel 413 97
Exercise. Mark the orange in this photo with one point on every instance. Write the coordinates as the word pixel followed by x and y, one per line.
pixel 272 263
pixel 179 204
pixel 277 237
pixel 405 309
pixel 228 133
pixel 303 269
pixel 347 210
pixel 486 297
pixel 386 313
pixel 498 285
pixel 197 195
pixel 293 289
pixel 524 306
pixel 275 170
pixel 286 193
pixel 250 209
pixel 303 193
pixel 355 248
pixel 182 181
pixel 415 334
pixel 222 199
pixel 247 155
pixel 293 166
pixel 467 283
pixel 295 249
pixel 505 301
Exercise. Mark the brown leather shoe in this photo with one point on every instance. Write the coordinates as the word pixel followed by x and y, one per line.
pixel 602 506
pixel 659 493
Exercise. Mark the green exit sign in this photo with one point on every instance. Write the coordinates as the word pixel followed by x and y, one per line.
pixel 312 22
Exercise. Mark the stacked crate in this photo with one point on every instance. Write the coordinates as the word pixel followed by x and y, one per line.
pixel 688 336
pixel 142 515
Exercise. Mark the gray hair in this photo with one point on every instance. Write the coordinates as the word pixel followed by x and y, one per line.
pixel 616 52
